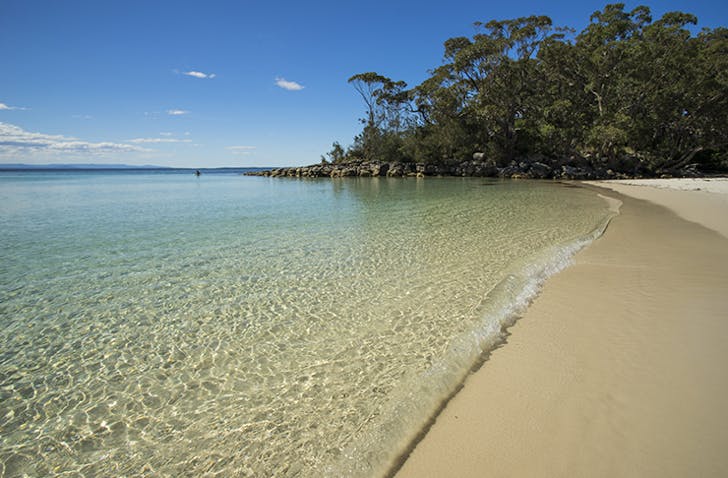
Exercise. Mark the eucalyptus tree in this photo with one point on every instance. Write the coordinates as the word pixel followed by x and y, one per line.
pixel 656 89
pixel 624 87
pixel 604 55
pixel 442 126
pixel 498 69
pixel 384 99
pixel 711 112
pixel 661 98
pixel 559 128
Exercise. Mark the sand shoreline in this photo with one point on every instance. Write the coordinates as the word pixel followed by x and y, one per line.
pixel 703 201
pixel 616 369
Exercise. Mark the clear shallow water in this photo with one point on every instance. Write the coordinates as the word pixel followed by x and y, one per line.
pixel 166 325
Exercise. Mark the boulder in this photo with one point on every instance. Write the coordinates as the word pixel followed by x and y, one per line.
pixel 380 169
pixel 431 170
pixel 509 170
pixel 571 172
pixel 540 170
pixel 467 168
pixel 485 169
pixel 395 170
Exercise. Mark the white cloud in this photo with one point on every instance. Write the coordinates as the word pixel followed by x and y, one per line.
pixel 166 134
pixel 83 117
pixel 288 85
pixel 159 140
pixel 3 106
pixel 177 112
pixel 199 74
pixel 243 150
pixel 16 142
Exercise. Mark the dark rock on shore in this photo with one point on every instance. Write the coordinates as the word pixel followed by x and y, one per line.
pixel 536 167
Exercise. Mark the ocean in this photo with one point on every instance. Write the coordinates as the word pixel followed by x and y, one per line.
pixel 154 323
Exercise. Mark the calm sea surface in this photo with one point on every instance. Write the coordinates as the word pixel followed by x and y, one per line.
pixel 159 324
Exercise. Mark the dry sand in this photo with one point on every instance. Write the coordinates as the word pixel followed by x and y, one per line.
pixel 704 201
pixel 617 369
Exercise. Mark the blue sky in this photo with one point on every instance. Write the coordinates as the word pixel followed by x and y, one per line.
pixel 224 83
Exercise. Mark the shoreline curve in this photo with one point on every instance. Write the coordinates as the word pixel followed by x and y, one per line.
pixel 615 369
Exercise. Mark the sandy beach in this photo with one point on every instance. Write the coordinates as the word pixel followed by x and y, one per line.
pixel 704 201
pixel 618 367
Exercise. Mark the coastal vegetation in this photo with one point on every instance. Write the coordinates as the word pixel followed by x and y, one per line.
pixel 626 96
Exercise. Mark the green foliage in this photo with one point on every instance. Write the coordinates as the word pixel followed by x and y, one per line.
pixel 337 153
pixel 624 86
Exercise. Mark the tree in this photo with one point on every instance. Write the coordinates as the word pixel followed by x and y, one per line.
pixel 384 100
pixel 499 70
pixel 337 153
pixel 625 93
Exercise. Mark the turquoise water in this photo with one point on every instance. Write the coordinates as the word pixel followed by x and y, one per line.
pixel 167 325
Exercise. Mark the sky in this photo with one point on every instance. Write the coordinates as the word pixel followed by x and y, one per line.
pixel 225 83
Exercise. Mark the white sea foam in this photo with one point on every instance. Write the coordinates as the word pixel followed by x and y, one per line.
pixel 396 431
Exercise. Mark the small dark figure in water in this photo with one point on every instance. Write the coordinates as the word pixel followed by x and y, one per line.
pixel 197 172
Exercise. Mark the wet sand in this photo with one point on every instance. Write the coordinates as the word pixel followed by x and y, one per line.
pixel 617 369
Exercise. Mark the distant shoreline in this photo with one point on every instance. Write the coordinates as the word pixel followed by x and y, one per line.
pixel 84 166
pixel 124 167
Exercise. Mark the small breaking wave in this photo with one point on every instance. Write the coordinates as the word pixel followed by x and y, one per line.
pixel 383 450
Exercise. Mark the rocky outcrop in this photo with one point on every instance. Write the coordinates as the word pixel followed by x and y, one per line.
pixel 535 167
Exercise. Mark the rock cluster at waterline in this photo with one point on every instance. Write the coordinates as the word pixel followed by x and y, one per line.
pixel 541 168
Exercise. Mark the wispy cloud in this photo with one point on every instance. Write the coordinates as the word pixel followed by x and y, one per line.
pixel 242 150
pixel 15 141
pixel 83 117
pixel 199 74
pixel 159 140
pixel 177 112
pixel 166 134
pixel 288 85
pixel 3 106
